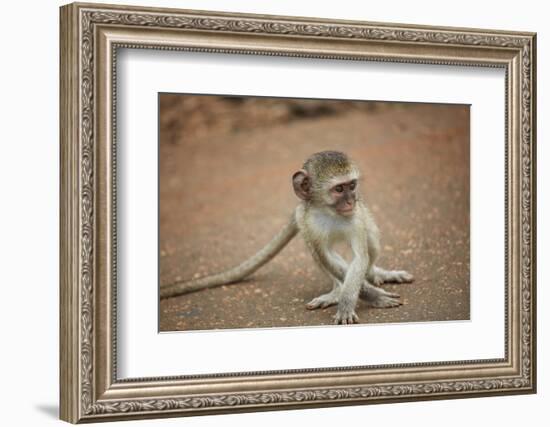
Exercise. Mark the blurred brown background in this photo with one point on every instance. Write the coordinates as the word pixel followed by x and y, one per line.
pixel 225 190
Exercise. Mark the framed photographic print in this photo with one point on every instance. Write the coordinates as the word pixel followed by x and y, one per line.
pixel 265 212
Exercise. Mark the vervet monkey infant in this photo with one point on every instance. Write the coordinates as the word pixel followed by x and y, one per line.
pixel 330 211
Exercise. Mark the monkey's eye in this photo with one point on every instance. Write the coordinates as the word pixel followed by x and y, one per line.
pixel 339 189
pixel 352 186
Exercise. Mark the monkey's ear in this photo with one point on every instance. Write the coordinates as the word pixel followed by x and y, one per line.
pixel 302 184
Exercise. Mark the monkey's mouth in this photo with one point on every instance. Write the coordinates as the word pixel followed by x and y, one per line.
pixel 347 211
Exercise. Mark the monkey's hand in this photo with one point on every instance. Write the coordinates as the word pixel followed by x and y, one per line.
pixel 345 315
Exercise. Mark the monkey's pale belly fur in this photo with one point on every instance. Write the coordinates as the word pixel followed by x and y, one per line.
pixel 328 227
pixel 330 212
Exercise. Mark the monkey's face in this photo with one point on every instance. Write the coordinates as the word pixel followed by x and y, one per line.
pixel 338 192
pixel 342 196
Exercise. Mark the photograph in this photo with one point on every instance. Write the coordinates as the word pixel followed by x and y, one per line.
pixel 263 212
pixel 286 212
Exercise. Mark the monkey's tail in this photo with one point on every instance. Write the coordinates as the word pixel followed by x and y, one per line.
pixel 239 272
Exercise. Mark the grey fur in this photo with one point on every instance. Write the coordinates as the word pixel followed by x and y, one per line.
pixel 239 272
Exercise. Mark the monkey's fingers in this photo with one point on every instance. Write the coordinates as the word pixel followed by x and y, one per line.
pixel 348 318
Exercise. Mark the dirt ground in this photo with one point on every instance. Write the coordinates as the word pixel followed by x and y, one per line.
pixel 225 190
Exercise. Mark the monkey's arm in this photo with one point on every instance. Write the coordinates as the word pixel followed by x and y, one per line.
pixel 325 261
pixel 352 284
pixel 352 278
pixel 373 296
pixel 239 272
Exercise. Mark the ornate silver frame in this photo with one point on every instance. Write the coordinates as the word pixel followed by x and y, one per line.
pixel 90 36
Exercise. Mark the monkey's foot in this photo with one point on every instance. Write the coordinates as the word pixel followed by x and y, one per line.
pixel 381 276
pixel 323 301
pixel 378 297
pixel 383 301
pixel 400 276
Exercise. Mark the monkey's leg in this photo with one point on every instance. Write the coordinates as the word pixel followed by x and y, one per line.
pixel 378 275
